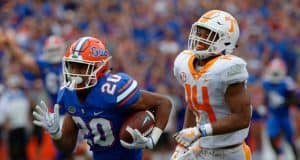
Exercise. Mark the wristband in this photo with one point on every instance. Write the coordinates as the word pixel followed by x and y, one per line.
pixel 57 135
pixel 155 134
pixel 206 130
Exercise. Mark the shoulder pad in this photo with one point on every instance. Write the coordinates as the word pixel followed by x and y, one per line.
pixel 60 95
pixel 233 69
pixel 180 61
pixel 122 89
pixel 181 56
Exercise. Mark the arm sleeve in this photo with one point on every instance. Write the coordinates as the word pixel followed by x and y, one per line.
pixel 178 63
pixel 175 72
pixel 291 86
pixel 234 72
pixel 127 92
pixel 40 63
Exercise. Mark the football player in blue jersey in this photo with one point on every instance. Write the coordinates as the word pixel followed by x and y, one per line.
pixel 47 66
pixel 279 90
pixel 97 102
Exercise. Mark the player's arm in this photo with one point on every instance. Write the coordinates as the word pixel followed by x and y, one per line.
pixel 189 118
pixel 129 97
pixel 292 97
pixel 161 105
pixel 67 142
pixel 65 138
pixel 238 101
pixel 237 98
pixel 25 59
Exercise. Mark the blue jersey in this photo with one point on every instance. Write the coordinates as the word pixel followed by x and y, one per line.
pixel 278 119
pixel 277 96
pixel 102 114
pixel 51 75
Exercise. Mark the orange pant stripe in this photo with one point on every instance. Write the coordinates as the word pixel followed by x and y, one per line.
pixel 247 151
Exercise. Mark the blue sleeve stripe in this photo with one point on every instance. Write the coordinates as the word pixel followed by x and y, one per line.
pixel 127 92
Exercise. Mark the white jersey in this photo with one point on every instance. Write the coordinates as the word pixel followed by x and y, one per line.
pixel 205 90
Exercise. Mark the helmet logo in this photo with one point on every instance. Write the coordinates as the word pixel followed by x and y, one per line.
pixel 72 109
pixel 183 77
pixel 98 52
pixel 232 21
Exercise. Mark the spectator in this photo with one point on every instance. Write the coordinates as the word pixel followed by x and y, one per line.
pixel 18 108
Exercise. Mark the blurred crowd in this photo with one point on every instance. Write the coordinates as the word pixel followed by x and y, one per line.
pixel 143 37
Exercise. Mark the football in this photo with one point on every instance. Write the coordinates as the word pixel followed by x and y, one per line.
pixel 143 121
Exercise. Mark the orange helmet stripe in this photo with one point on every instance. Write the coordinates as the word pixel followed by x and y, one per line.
pixel 208 15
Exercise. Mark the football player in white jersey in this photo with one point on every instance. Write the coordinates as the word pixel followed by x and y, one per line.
pixel 219 111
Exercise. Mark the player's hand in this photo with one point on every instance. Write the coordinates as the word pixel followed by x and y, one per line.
pixel 179 150
pixel 10 37
pixel 187 136
pixel 7 38
pixel 183 153
pixel 47 120
pixel 139 141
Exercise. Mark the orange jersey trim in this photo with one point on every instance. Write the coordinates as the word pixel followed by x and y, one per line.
pixel 197 74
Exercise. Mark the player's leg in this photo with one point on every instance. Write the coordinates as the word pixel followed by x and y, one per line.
pixel 273 132
pixel 17 141
pixel 241 152
pixel 289 134
pixel 81 150
pixel 254 139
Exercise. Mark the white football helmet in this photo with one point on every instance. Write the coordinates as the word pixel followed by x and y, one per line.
pixel 276 71
pixel 54 49
pixel 222 36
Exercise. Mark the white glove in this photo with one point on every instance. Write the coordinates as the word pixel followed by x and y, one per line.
pixel 187 136
pixel 179 150
pixel 48 120
pixel 140 141
pixel 183 153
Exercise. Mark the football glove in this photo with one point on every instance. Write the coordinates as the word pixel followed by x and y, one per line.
pixel 187 136
pixel 183 153
pixel 140 141
pixel 48 120
pixel 179 150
